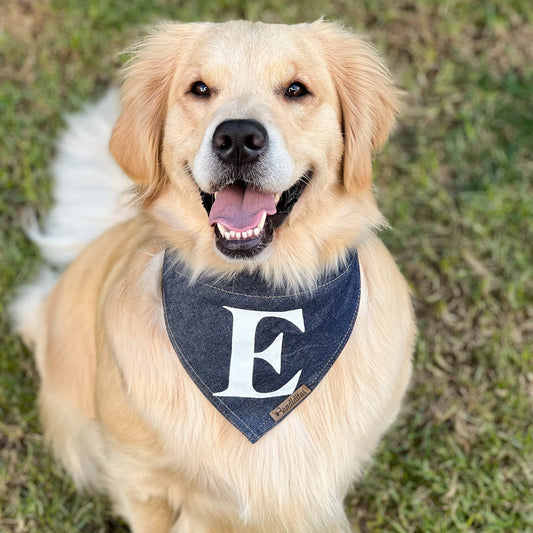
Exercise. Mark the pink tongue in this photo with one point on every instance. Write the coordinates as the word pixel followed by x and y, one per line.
pixel 240 208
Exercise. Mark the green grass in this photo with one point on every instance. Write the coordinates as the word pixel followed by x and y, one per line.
pixel 455 183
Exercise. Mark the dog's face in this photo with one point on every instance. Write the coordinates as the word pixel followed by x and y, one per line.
pixel 253 128
pixel 255 140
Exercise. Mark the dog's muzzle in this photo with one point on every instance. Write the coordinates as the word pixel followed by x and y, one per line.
pixel 243 214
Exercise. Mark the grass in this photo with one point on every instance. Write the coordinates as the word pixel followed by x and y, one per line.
pixel 455 183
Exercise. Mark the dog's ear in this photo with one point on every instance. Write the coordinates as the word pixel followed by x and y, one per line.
pixel 368 99
pixel 137 137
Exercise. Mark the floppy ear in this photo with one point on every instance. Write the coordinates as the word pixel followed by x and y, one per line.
pixel 138 133
pixel 367 96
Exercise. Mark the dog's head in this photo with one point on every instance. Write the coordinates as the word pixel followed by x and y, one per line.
pixel 252 143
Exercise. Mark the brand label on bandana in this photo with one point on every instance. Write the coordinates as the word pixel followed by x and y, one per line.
pixel 256 352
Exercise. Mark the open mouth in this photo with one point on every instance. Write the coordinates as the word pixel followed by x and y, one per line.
pixel 244 218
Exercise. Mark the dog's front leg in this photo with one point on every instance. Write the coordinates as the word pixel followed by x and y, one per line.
pixel 153 515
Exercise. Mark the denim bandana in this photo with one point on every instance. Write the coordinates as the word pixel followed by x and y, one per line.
pixel 256 352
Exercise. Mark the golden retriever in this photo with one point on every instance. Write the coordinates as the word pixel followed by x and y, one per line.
pixel 251 149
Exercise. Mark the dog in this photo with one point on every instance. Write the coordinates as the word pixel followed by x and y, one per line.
pixel 227 358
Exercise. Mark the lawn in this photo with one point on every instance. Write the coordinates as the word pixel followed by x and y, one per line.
pixel 455 182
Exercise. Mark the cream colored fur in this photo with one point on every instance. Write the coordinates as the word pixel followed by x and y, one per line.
pixel 119 410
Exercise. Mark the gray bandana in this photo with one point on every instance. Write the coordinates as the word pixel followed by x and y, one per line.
pixel 256 352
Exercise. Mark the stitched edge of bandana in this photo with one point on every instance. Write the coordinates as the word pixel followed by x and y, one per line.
pixel 352 256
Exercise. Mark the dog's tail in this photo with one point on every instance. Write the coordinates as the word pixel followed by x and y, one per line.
pixel 91 194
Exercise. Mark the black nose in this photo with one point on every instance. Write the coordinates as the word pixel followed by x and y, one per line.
pixel 240 141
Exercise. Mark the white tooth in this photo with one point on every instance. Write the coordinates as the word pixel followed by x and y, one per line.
pixel 277 197
pixel 232 234
pixel 238 235
pixel 216 194
pixel 226 235
pixel 221 228
pixel 262 221
pixel 257 231
pixel 250 233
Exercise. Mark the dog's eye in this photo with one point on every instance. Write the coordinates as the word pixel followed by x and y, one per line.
pixel 199 88
pixel 296 90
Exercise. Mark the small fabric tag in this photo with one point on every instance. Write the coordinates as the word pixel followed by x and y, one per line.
pixel 286 406
pixel 257 352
